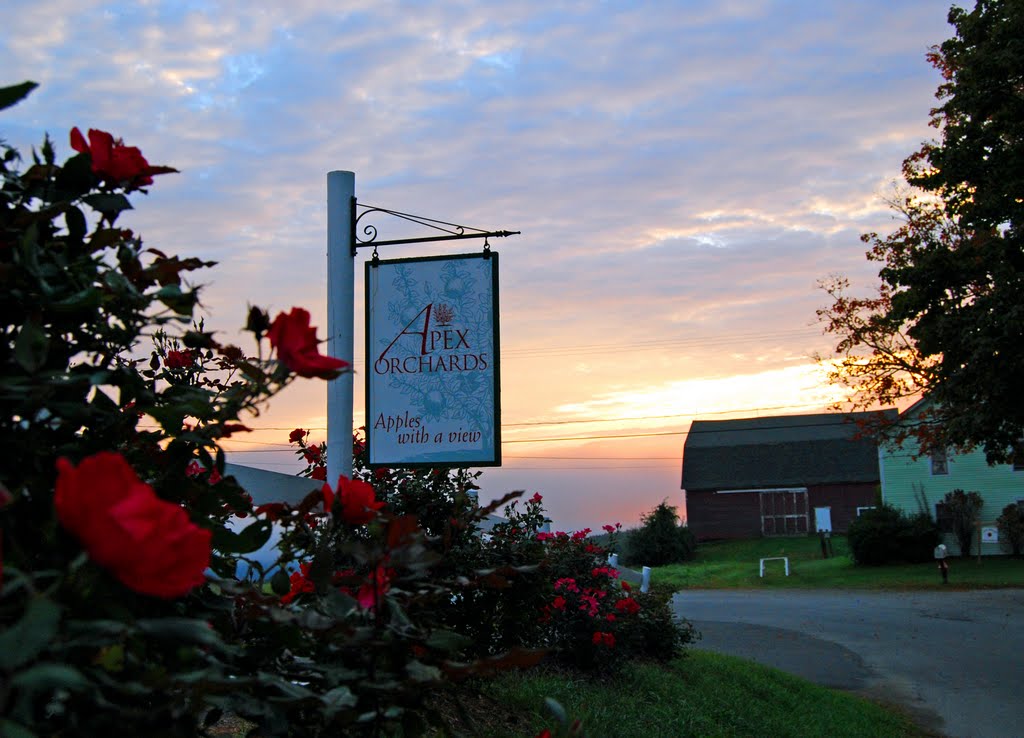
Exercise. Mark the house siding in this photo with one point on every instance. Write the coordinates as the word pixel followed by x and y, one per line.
pixel 904 478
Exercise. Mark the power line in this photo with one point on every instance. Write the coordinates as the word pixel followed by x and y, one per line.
pixel 550 422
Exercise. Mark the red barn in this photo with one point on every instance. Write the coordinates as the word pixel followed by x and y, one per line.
pixel 783 475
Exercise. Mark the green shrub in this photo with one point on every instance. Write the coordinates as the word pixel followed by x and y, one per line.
pixel 885 535
pixel 963 508
pixel 660 539
pixel 1011 526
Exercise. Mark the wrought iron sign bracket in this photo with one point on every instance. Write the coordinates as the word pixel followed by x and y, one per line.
pixel 451 231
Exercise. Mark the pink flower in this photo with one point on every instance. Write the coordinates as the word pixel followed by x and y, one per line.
pixel 558 603
pixel 609 528
pixel 536 497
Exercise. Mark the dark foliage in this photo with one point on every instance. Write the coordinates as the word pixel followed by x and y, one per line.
pixel 660 539
pixel 1011 526
pixel 963 508
pixel 885 535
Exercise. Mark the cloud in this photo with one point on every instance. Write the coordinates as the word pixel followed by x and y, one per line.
pixel 683 174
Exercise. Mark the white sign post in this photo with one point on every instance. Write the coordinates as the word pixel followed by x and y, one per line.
pixel 432 378
pixel 340 325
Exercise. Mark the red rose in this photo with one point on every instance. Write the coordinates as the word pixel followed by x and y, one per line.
pixel 603 639
pixel 147 543
pixel 359 504
pixel 319 473
pixel 299 584
pixel 628 605
pixel 296 435
pixel 312 454
pixel 374 588
pixel 536 497
pixel 296 344
pixel 273 510
pixel 114 161
pixel 179 359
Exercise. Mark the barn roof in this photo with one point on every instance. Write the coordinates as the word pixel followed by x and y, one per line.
pixel 781 451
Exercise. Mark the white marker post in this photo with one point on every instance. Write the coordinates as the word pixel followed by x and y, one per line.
pixel 341 279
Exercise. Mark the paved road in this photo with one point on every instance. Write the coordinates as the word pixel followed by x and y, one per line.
pixel 955 660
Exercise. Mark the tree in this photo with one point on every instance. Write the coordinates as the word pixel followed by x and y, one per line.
pixel 660 539
pixel 962 508
pixel 947 317
pixel 1011 526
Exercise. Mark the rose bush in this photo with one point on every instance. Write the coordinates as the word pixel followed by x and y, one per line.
pixel 132 599
pixel 121 610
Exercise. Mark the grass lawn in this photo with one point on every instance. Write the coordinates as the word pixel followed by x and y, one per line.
pixel 702 694
pixel 734 564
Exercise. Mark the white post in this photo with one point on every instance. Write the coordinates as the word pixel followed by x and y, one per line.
pixel 613 559
pixel 341 279
pixel 645 582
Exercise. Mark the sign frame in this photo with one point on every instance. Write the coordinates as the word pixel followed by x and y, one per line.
pixel 377 393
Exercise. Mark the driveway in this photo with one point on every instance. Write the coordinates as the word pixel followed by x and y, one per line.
pixel 954 660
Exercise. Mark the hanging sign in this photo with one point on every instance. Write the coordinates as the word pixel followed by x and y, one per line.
pixel 432 380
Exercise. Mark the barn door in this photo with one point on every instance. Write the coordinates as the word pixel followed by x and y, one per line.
pixel 784 512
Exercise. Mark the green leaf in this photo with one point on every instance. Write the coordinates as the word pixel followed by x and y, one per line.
pixel 77 227
pixel 31 346
pixel 75 178
pixel 50 676
pixel 421 672
pixel 337 700
pixel 27 638
pixel 280 583
pixel 10 729
pixel 182 629
pixel 178 301
pixel 448 640
pixel 251 538
pixel 15 93
pixel 109 204
pixel 339 604
pixel 85 301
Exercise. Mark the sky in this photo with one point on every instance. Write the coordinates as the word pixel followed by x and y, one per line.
pixel 683 175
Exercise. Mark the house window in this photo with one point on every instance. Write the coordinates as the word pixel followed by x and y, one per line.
pixel 943 518
pixel 940 462
pixel 1018 456
pixel 862 510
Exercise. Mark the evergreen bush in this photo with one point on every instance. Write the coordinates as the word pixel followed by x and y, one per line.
pixel 660 539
